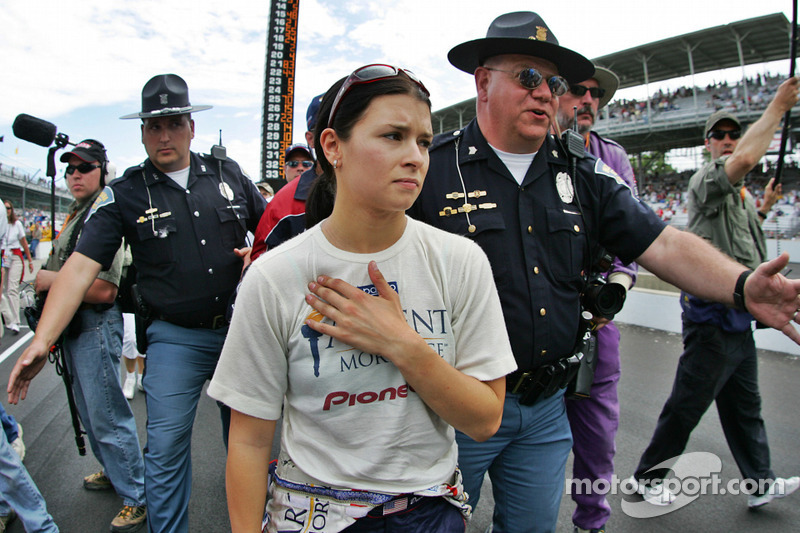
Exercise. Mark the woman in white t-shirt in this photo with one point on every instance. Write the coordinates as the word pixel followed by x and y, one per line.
pixel 373 368
pixel 13 267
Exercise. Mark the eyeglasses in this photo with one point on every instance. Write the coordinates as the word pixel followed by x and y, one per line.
pixel 530 78
pixel 83 168
pixel 295 164
pixel 368 74
pixel 580 90
pixel 720 134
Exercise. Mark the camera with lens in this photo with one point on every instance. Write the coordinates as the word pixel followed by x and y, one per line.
pixel 601 298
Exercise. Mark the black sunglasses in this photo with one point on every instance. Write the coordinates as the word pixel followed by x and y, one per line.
pixel 580 90
pixel 295 164
pixel 368 74
pixel 83 168
pixel 720 134
pixel 530 78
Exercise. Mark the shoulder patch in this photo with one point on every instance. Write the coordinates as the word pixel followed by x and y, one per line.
pixel 106 197
pixel 604 170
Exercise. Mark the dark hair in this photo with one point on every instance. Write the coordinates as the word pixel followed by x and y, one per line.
pixel 352 107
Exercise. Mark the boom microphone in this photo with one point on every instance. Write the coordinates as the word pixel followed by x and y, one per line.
pixel 34 130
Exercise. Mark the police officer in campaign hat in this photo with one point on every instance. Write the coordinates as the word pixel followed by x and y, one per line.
pixel 185 217
pixel 540 213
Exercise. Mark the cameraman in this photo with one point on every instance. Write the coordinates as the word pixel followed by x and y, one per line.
pixel 92 345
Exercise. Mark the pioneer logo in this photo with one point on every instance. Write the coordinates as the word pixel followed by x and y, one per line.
pixel 350 399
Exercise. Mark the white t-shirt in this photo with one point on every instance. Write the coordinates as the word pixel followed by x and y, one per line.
pixel 349 419
pixel 14 233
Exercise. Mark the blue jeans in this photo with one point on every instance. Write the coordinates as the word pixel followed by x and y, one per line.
pixel 526 460
pixel 10 426
pixel 179 362
pixel 19 492
pixel 93 358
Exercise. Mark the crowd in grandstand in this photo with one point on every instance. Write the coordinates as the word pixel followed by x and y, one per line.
pixel 760 90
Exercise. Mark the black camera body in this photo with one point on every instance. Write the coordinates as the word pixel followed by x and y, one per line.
pixel 600 297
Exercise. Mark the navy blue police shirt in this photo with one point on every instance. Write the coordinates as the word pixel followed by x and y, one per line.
pixel 533 234
pixel 182 240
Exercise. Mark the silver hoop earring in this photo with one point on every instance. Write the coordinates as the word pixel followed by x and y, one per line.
pixel 335 162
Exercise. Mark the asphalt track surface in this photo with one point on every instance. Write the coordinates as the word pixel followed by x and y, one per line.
pixel 649 358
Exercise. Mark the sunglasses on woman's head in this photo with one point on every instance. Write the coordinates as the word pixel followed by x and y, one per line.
pixel 368 74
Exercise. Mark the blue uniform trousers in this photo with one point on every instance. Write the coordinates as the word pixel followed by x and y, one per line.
pixel 594 422
pixel 19 492
pixel 526 460
pixel 715 366
pixel 93 358
pixel 179 362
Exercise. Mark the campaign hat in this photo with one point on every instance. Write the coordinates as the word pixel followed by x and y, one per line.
pixel 165 95
pixel 526 33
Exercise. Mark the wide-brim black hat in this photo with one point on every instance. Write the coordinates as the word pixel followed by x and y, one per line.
pixel 165 95
pixel 522 32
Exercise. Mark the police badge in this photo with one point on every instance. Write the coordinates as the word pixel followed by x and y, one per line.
pixel 564 187
pixel 226 191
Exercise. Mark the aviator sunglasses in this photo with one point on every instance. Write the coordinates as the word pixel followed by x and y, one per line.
pixel 295 164
pixel 580 90
pixel 530 78
pixel 83 168
pixel 720 134
pixel 368 74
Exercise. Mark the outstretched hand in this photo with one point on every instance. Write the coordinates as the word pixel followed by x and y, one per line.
pixel 372 324
pixel 29 364
pixel 772 298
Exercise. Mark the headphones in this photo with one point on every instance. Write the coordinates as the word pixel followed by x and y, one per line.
pixel 106 167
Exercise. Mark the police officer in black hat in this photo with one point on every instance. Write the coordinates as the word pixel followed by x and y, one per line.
pixel 185 217
pixel 506 182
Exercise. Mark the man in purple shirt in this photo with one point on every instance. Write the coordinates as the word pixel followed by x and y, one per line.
pixel 594 421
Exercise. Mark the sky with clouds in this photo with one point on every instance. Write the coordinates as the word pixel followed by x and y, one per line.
pixel 81 65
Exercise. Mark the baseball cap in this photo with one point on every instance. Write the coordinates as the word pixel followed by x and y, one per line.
pixel 311 113
pixel 299 146
pixel 88 151
pixel 718 117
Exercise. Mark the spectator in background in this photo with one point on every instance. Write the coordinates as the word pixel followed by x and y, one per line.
pixel 298 159
pixel 13 268
pixel 285 216
pixel 36 236
pixel 266 190
pixel 594 420
pixel 719 362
